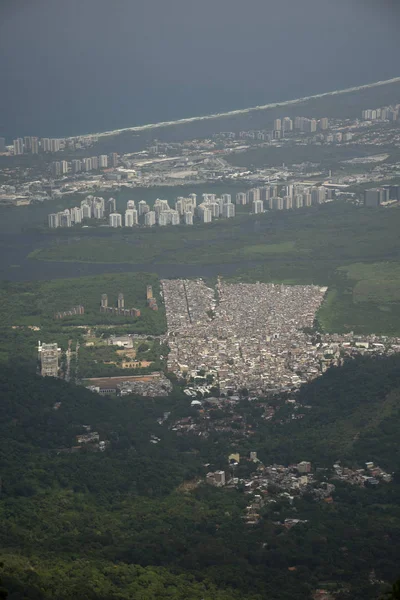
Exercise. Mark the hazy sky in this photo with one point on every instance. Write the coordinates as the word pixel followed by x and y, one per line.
pixel 69 66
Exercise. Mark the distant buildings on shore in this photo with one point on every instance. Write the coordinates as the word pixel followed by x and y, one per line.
pixel 186 210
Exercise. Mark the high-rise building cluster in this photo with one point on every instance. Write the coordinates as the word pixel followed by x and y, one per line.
pixel 285 125
pixel 94 163
pixel 75 310
pixel 290 196
pixel 374 197
pixel 92 207
pixel 119 309
pixel 385 113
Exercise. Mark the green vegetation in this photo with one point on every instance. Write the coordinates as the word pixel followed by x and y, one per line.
pixel 336 245
pixel 119 524
pixel 35 303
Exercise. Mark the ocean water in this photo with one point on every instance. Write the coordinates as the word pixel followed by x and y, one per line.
pixel 82 67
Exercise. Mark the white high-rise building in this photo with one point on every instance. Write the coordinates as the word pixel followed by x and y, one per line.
pixel 215 209
pixel 76 215
pixel 130 204
pixel 63 167
pixel 241 198
pixel 86 211
pixel 103 161
pixel 277 125
pixel 257 206
pixel 205 213
pixel 161 206
pixel 98 210
pixel 298 201
pixel 54 145
pixel 76 166
pixel 18 146
pixel 65 218
pixel 53 220
pixel 188 218
pixel 287 124
pixel 164 218
pixel 253 194
pixel 45 145
pixel 115 220
pixel 228 211
pixel 287 202
pixel 307 200
pixel 131 217
pixel 226 198
pixel 143 207
pixel 193 198
pixel 149 218
pixel 95 163
pixel 87 164
pixel 174 217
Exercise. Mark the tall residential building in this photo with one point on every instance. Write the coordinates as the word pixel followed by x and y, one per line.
pixel 164 218
pixel 193 198
pixel 287 124
pixel 215 209
pixel 76 166
pixel 188 218
pixel 86 211
pixel 277 125
pixel 253 194
pixel 150 218
pixel 241 198
pixel 323 124
pixel 277 203
pixel 65 218
pixel 287 202
pixel 130 204
pixel 54 145
pixel 318 195
pixel 264 193
pixel 298 200
pixel 131 217
pixel 143 207
pixel 374 197
pixel 87 164
pixel 257 206
pixel 111 205
pixel 307 201
pixel 226 198
pixel 98 209
pixel 174 217
pixel 121 301
pixel 103 161
pixel 53 220
pixel 228 211
pixel 63 167
pixel 113 159
pixel 115 220
pixel 95 163
pixel 48 355
pixel 45 144
pixel 76 215
pixel 56 169
pixel 18 146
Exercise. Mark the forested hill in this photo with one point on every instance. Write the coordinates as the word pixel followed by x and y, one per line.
pixel 118 524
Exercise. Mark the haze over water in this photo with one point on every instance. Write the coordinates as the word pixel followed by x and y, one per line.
pixel 72 67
